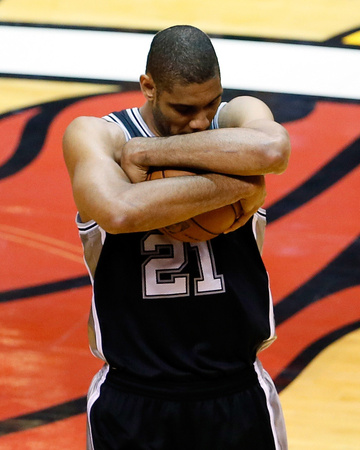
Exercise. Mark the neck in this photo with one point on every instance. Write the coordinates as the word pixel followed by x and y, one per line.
pixel 147 115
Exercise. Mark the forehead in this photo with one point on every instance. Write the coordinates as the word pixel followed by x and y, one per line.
pixel 194 93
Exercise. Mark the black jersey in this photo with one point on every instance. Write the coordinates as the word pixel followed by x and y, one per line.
pixel 167 310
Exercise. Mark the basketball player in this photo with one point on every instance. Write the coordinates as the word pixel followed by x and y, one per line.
pixel 178 325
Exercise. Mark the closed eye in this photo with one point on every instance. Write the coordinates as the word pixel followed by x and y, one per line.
pixel 184 110
pixel 215 102
pixel 187 110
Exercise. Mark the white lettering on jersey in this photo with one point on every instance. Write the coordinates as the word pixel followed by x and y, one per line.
pixel 163 273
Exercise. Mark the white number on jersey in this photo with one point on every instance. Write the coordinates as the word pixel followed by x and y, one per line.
pixel 164 271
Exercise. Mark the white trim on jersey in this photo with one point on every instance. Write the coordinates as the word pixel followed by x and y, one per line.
pixel 135 116
pixel 274 407
pixel 258 229
pixel 113 119
pixel 84 227
pixel 262 212
pixel 138 121
pixel 272 336
pixel 271 317
pixel 92 231
pixel 215 121
pixel 98 349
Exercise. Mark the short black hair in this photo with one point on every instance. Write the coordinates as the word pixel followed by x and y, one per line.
pixel 181 54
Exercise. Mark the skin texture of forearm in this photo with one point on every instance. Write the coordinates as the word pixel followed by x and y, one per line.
pixel 104 193
pixel 141 207
pixel 237 151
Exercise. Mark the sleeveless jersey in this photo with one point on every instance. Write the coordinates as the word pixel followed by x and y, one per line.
pixel 167 310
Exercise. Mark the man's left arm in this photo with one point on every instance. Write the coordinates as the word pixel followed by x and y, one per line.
pixel 248 142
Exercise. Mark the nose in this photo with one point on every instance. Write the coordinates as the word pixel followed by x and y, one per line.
pixel 200 122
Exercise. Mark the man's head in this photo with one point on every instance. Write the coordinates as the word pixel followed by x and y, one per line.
pixel 181 54
pixel 182 82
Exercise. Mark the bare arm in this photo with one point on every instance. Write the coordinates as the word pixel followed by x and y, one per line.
pixel 103 192
pixel 249 142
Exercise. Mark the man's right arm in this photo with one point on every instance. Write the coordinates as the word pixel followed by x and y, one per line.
pixel 248 142
pixel 103 192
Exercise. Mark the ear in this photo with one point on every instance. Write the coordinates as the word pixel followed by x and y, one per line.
pixel 148 87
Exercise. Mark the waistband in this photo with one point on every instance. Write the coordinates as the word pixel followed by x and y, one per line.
pixel 183 390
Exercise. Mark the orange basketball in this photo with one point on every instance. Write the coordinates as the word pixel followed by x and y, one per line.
pixel 205 226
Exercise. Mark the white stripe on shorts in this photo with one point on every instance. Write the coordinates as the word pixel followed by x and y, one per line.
pixel 93 395
pixel 274 407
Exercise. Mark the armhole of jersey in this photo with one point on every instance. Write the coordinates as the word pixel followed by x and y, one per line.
pixel 258 226
pixel 84 227
pixel 215 121
pixel 113 119
pixel 92 237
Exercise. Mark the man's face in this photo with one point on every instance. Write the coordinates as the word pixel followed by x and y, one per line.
pixel 187 108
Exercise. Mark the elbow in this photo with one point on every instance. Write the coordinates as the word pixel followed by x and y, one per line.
pixel 122 219
pixel 117 223
pixel 280 152
pixel 114 225
pixel 120 214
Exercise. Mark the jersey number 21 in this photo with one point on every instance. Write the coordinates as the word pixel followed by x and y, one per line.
pixel 164 271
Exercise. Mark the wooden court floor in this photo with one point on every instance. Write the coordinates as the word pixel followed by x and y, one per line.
pixel 312 248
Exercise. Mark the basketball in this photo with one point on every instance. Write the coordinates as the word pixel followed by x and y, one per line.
pixel 205 226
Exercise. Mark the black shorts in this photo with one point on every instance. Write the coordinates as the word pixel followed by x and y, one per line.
pixel 124 417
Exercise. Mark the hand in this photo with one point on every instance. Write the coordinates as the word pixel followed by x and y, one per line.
pixel 130 159
pixel 251 203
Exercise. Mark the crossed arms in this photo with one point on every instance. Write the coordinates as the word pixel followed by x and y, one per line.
pixel 108 174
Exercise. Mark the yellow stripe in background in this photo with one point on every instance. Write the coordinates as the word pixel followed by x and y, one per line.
pixel 283 19
pixel 352 39
pixel 19 93
pixel 321 406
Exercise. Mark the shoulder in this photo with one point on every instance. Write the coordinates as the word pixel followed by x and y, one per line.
pixel 93 126
pixel 88 132
pixel 241 110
